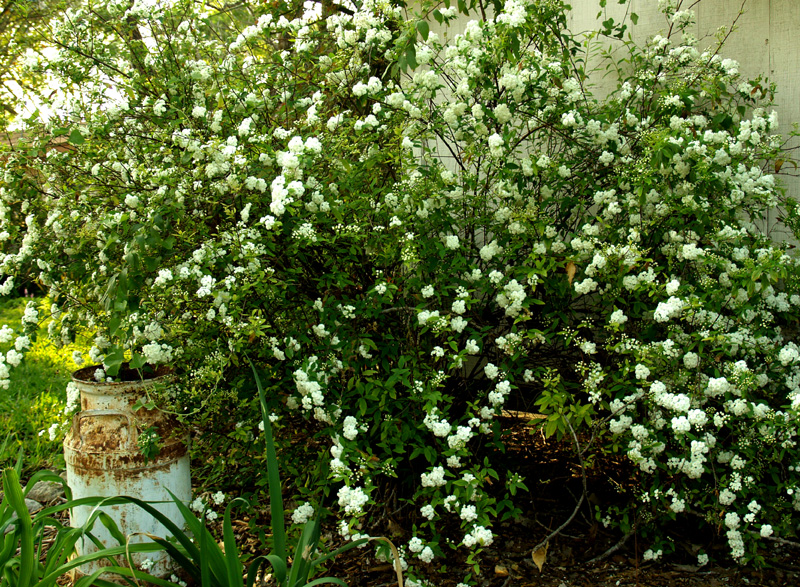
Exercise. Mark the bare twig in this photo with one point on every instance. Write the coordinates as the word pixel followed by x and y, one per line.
pixel 778 540
pixel 613 549
pixel 583 495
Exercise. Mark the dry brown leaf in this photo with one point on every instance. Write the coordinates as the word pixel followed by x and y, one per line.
pixel 572 268
pixel 539 556
pixel 500 571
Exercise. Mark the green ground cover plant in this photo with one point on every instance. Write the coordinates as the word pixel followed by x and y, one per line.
pixel 32 408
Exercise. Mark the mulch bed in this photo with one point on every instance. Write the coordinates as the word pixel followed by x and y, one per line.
pixel 553 476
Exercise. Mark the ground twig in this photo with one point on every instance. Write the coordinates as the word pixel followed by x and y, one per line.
pixel 583 495
pixel 612 550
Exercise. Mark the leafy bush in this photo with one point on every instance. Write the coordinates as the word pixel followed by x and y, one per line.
pixel 410 230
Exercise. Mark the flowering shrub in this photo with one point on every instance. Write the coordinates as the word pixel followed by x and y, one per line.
pixel 411 229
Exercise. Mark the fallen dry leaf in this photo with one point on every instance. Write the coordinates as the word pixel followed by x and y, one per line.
pixel 539 556
pixel 572 268
pixel 500 571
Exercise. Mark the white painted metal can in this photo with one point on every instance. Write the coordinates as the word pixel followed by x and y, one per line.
pixel 103 459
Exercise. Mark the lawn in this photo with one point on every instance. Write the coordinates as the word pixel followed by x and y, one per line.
pixel 35 398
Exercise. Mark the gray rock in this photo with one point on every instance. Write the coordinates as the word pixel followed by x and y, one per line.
pixel 46 491
pixel 33 507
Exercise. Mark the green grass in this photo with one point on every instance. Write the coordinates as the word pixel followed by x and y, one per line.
pixel 35 398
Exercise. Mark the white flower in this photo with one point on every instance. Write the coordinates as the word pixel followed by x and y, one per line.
pixel 617 318
pixel 673 286
pixel 487 252
pixel 479 535
pixel 433 479
pixel 352 499
pixel 669 309
pixel 726 497
pixel 788 355
pixel 427 291
pixel 303 513
pixel 457 323
pixel 415 544
pixel 691 252
pixel 691 360
pixel 642 372
pixel 681 425
pixel 732 520
pixel 766 531
pixel 650 555
pixel 502 113
pixel 491 371
pixel 469 513
pixel 585 286
pixel 6 334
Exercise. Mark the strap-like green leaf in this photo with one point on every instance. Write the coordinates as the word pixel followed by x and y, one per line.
pixel 326 581
pixel 278 569
pixel 205 571
pixel 273 476
pixel 111 526
pixel 179 556
pixel 108 553
pixel 233 563
pixel 13 494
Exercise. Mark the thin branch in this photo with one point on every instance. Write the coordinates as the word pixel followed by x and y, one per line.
pixel 583 495
pixel 612 550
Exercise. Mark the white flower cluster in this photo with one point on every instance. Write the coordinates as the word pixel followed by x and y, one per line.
pixel 435 478
pixel 303 513
pixel 352 499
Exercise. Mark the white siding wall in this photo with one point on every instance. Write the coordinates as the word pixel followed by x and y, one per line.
pixel 766 41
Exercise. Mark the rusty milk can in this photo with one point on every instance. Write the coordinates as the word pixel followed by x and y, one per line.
pixel 103 459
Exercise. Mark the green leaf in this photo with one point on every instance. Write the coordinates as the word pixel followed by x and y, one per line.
pixel 634 18
pixel 113 360
pixel 424 29
pixel 137 361
pixel 76 138
pixel 113 323
pixel 112 528
pixel 275 496
pixel 438 17
pixel 234 566
pixel 13 494
pixel 411 56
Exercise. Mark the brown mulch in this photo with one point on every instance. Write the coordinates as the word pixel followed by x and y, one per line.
pixel 553 476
